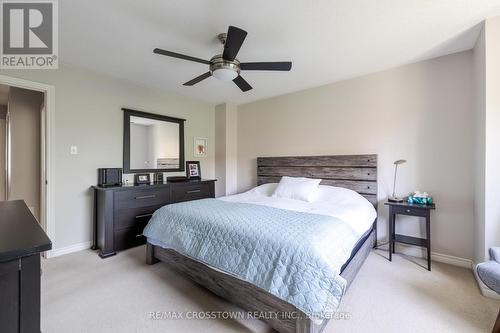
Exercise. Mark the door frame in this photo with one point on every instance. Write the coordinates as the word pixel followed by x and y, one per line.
pixel 48 218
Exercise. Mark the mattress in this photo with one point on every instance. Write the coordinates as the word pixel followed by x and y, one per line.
pixel 356 248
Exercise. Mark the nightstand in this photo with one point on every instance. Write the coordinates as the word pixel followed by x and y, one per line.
pixel 404 208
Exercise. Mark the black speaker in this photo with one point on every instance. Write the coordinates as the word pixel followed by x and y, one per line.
pixel 109 177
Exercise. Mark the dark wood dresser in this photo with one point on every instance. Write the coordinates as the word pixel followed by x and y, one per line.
pixel 21 241
pixel 122 212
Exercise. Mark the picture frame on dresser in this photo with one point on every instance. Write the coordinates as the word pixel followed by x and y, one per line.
pixel 142 179
pixel 193 170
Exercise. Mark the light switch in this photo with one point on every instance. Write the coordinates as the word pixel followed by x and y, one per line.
pixel 73 150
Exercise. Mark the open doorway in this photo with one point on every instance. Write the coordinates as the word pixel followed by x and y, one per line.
pixel 26 139
pixel 21 146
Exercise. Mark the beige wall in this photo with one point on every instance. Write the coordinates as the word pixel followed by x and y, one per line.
pixel 226 129
pixel 24 110
pixel 231 149
pixel 220 150
pixel 479 66
pixel 88 115
pixel 420 112
pixel 492 130
pixel 487 137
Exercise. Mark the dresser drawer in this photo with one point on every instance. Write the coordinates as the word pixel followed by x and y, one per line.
pixel 129 237
pixel 192 192
pixel 412 211
pixel 126 218
pixel 122 212
pixel 142 197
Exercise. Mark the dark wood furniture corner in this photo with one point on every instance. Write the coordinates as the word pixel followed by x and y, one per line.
pixel 404 208
pixel 21 241
pixel 122 212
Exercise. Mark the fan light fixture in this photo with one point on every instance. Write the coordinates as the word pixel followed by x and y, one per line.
pixel 224 70
pixel 225 74
pixel 225 66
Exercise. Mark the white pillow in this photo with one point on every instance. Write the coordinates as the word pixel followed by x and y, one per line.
pixel 326 193
pixel 265 189
pixel 297 188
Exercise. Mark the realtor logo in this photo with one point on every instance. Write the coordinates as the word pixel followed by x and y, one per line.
pixel 29 34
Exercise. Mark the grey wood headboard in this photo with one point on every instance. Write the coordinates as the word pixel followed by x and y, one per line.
pixel 355 172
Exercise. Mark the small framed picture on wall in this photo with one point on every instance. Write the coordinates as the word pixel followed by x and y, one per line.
pixel 200 147
pixel 193 170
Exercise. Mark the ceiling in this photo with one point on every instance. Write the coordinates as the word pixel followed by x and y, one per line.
pixel 327 40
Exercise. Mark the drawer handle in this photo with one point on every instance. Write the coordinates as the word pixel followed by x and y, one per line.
pixel 145 196
pixel 143 215
pixel 139 235
pixel 193 191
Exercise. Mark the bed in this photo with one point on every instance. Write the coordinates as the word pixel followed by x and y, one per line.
pixel 353 172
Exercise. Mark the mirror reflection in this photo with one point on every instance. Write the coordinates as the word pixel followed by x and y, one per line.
pixel 154 144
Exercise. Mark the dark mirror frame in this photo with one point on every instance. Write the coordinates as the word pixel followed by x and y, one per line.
pixel 126 139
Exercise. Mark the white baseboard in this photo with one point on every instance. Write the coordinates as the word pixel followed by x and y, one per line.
pixel 435 256
pixel 69 249
pixel 485 290
pixel 451 260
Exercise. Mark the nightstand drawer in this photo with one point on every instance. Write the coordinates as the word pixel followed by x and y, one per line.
pixel 412 211
pixel 192 192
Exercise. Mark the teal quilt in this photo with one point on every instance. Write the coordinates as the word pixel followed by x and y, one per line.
pixel 293 255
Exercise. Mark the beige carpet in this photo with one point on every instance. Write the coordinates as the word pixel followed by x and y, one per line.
pixel 82 293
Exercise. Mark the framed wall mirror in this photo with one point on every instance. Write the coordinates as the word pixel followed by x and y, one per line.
pixel 152 142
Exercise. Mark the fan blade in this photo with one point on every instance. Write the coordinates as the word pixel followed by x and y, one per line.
pixel 266 66
pixel 180 56
pixel 234 40
pixel 198 79
pixel 242 84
